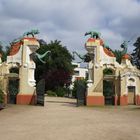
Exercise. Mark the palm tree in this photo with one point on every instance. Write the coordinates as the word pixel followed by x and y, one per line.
pixel 118 55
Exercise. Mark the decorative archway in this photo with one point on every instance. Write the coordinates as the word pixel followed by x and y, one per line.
pixel 121 80
pixel 17 73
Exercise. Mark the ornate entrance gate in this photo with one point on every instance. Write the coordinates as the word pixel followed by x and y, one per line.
pixel 81 93
pixel 109 86
pixel 13 90
pixel 109 92
pixel 40 91
pixel 13 85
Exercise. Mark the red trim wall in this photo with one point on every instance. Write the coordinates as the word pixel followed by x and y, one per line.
pixel 137 99
pixel 95 100
pixel 26 99
pixel 123 100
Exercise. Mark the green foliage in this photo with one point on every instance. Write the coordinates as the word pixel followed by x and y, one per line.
pixel 107 71
pixel 136 53
pixel 1 96
pixel 51 93
pixel 3 52
pixel 76 83
pixel 58 67
pixel 60 91
pixel 118 55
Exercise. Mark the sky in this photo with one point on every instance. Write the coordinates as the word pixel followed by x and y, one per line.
pixel 69 20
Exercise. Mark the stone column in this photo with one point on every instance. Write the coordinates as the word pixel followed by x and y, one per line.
pixel 27 89
pixel 90 71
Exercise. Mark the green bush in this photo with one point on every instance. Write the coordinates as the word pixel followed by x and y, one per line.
pixel 51 93
pixel 60 91
pixel 1 96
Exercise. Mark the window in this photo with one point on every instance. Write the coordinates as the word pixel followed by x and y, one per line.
pixel 131 89
pixel 76 72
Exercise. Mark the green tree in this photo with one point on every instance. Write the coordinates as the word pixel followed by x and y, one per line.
pixel 136 53
pixel 108 71
pixel 118 55
pixel 3 52
pixel 58 67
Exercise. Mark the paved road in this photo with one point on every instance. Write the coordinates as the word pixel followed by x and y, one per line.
pixel 60 119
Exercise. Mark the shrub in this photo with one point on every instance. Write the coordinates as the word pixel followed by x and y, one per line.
pixel 51 93
pixel 60 91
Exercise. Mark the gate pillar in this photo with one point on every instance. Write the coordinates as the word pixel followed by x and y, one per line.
pixel 99 56
pixel 21 54
pixel 95 92
pixel 27 90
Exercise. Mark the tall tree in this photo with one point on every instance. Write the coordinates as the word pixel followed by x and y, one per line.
pixel 58 67
pixel 136 53
pixel 3 52
pixel 118 56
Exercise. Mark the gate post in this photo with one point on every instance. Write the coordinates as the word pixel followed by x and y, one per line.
pixel 27 90
pixel 81 93
pixel 40 91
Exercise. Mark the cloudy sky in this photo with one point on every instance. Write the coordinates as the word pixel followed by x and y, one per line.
pixel 68 20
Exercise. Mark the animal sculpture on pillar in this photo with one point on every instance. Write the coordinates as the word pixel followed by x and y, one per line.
pixel 90 46
pixel 93 34
pixel 26 47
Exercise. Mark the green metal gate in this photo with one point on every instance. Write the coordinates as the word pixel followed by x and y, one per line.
pixel 81 93
pixel 13 90
pixel 40 91
pixel 109 92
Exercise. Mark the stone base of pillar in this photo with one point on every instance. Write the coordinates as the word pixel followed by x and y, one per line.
pixel 95 100
pixel 25 99
pixel 137 100
pixel 123 100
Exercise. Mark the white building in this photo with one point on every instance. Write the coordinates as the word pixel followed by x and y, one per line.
pixel 79 73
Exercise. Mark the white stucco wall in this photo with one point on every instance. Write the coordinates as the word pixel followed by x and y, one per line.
pixel 82 72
